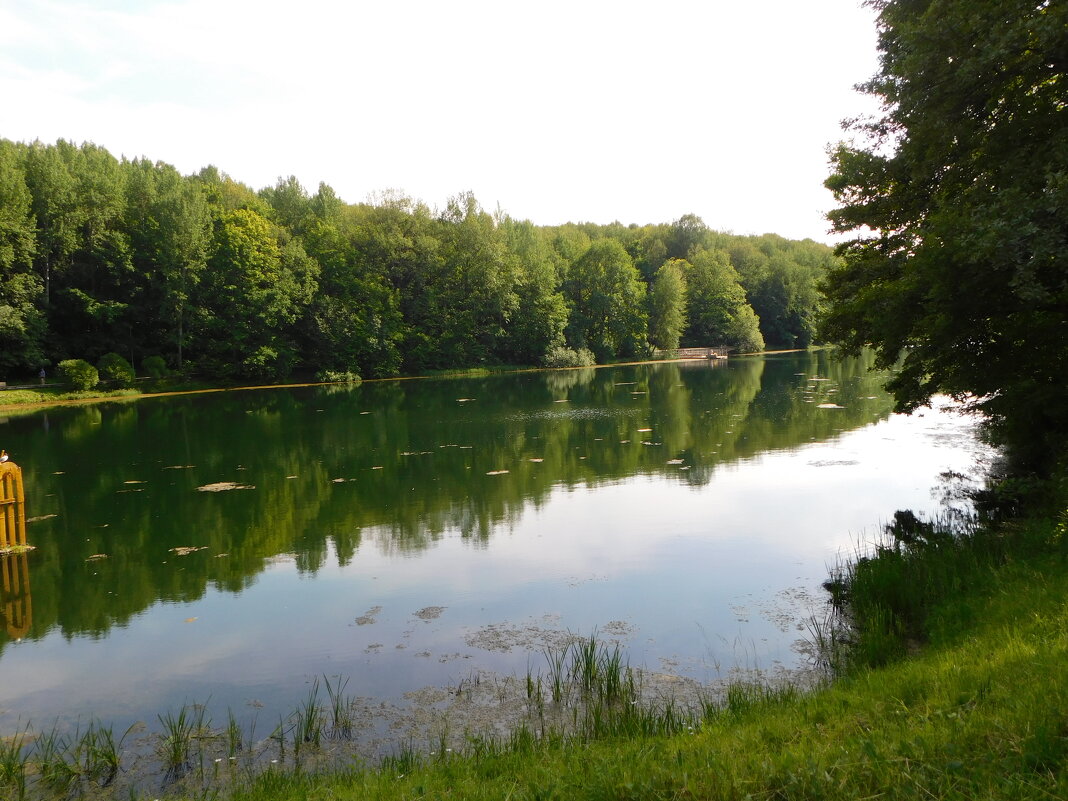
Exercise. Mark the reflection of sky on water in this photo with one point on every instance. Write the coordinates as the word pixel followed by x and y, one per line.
pixel 699 575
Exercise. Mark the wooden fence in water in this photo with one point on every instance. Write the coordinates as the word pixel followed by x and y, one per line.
pixel 12 507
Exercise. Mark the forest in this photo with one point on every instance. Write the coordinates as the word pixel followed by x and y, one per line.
pixel 102 255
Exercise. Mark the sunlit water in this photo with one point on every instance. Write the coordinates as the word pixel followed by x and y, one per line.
pixel 413 533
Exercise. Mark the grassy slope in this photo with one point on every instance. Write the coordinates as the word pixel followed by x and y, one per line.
pixel 981 713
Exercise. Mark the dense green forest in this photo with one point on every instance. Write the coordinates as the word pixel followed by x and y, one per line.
pixel 102 255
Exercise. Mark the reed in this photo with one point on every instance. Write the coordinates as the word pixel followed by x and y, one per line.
pixel 308 720
pixel 54 764
pixel 175 744
pixel 101 754
pixel 13 762
pixel 340 708
pixel 234 735
pixel 404 761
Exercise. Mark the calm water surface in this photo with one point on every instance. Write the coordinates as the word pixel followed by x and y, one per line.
pixel 410 533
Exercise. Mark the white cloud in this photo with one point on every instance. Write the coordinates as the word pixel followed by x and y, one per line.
pixel 557 111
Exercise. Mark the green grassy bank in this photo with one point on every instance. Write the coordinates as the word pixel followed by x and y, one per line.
pixel 967 630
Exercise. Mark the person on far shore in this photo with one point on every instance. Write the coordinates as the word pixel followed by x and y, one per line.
pixel 41 375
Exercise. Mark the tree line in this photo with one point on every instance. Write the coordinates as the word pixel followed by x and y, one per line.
pixel 100 255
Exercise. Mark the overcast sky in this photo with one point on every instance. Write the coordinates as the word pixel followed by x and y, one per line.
pixel 553 111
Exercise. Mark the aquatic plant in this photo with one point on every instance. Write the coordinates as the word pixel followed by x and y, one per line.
pixel 341 718
pixel 13 759
pixel 101 755
pixel 175 744
pixel 308 720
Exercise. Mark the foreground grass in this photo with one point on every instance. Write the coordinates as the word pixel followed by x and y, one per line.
pixel 981 712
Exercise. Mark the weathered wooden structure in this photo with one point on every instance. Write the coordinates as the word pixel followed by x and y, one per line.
pixel 12 507
pixel 714 352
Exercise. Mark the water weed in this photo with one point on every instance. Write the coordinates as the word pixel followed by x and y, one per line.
pixel 13 760
pixel 176 742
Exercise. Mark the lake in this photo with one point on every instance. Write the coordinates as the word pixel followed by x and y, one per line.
pixel 228 548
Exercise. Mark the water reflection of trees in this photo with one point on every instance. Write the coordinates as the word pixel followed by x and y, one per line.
pixel 399 464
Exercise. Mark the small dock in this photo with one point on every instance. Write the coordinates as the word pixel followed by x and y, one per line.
pixel 714 352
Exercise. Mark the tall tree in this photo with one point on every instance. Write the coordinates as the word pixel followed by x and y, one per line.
pixel 667 305
pixel 258 283
pixel 170 226
pixel 541 314
pixel 964 183
pixel 718 311
pixel 21 322
pixel 607 299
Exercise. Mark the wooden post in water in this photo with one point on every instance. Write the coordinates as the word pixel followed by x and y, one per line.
pixel 12 507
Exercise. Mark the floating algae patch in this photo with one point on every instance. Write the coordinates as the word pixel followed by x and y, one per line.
pixel 430 612
pixel 223 486
pixel 532 636
pixel 368 617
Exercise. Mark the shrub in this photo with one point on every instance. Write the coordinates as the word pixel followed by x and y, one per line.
pixel 154 366
pixel 78 373
pixel 338 377
pixel 566 357
pixel 112 367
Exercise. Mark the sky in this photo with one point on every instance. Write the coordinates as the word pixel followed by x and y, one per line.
pixel 549 111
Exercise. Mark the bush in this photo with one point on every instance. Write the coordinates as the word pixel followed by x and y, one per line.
pixel 112 367
pixel 338 377
pixel 566 357
pixel 78 373
pixel 154 366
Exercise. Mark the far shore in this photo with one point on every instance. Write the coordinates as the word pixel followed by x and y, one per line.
pixel 458 373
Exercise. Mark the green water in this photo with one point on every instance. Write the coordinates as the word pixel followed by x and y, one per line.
pixel 406 533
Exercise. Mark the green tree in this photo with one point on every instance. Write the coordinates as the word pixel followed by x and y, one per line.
pixel 258 283
pixel 963 184
pixel 477 299
pixel 170 228
pixel 353 324
pixel 537 326
pixel 667 305
pixel 718 311
pixel 686 235
pixel 22 325
pixel 607 299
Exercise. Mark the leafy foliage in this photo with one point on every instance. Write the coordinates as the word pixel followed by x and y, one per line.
pixel 114 368
pixel 567 357
pixel 102 255
pixel 154 366
pixel 963 183
pixel 78 374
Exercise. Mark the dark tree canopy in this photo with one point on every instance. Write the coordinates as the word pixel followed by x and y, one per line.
pixel 959 200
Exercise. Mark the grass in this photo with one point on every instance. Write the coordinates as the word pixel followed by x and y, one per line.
pixel 21 397
pixel 180 732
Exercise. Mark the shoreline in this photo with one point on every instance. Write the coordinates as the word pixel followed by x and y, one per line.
pixel 458 373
